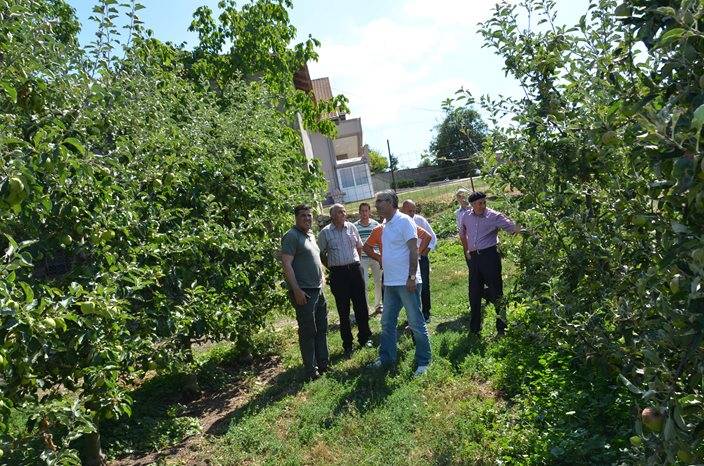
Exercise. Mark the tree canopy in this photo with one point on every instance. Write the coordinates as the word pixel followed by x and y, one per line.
pixel 141 205
pixel 378 162
pixel 458 141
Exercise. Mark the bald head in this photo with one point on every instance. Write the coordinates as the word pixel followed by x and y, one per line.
pixel 408 207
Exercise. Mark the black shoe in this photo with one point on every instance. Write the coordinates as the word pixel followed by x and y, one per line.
pixel 313 376
pixel 322 369
pixel 367 344
pixel 348 353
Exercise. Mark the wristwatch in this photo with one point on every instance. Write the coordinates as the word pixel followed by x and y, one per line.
pixel 412 277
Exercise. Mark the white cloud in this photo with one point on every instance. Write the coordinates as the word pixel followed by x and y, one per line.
pixel 397 70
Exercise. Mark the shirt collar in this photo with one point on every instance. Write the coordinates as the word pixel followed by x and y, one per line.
pixel 307 233
pixel 472 212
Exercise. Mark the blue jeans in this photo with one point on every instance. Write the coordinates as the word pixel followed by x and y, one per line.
pixel 394 298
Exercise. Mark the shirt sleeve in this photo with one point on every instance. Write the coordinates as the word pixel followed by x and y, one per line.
pixel 288 244
pixel 322 243
pixel 504 223
pixel 409 230
pixel 462 228
pixel 374 239
pixel 429 229
pixel 355 232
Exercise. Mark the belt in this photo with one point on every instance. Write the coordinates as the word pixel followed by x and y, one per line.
pixel 478 252
pixel 351 266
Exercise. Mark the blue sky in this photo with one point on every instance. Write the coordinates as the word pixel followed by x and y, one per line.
pixel 396 60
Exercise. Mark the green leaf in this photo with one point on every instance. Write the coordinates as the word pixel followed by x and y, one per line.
pixel 667 11
pixel 630 385
pixel 622 10
pixel 670 36
pixel 698 118
pixel 679 228
pixel 10 91
pixel 13 141
pixel 28 293
pixel 669 429
pixel 679 420
pixel 76 144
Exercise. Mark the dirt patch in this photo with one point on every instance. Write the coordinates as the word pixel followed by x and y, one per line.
pixel 213 411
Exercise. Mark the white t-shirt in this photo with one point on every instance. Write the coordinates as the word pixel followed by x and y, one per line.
pixel 395 257
pixel 423 223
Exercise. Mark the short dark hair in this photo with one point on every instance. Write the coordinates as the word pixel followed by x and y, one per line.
pixel 388 195
pixel 300 208
pixel 475 196
pixel 365 204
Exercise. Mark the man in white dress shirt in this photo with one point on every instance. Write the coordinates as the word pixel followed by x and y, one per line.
pixel 409 208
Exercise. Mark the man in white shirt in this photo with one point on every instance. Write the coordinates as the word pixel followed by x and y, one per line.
pixel 409 208
pixel 402 283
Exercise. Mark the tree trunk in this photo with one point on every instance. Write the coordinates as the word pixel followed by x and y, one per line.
pixel 191 387
pixel 90 450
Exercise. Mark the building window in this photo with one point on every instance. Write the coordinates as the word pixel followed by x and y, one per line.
pixel 353 176
pixel 346 178
pixel 360 174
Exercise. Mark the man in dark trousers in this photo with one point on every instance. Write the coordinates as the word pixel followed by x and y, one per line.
pixel 300 257
pixel 340 248
pixel 479 235
pixel 409 208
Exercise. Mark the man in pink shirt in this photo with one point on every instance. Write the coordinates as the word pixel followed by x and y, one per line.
pixel 479 228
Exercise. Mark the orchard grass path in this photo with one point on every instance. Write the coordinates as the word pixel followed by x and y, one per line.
pixel 262 412
pixel 485 400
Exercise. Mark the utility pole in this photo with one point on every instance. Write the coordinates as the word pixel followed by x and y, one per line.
pixel 391 165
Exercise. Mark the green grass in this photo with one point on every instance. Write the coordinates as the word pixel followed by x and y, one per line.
pixel 458 413
pixel 356 414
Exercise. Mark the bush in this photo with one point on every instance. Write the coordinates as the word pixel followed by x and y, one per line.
pixel 140 213
pixel 400 184
pixel 605 149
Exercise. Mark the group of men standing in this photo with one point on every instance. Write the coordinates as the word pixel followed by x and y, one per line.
pixel 396 250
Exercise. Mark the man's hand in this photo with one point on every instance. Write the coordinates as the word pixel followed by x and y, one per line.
pixel 300 297
pixel 411 284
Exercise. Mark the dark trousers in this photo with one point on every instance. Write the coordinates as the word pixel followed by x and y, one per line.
pixel 469 280
pixel 485 270
pixel 347 284
pixel 424 263
pixel 312 320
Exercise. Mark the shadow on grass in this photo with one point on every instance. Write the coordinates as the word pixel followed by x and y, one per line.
pixel 457 342
pixel 164 416
pixel 285 383
pixel 460 324
pixel 369 388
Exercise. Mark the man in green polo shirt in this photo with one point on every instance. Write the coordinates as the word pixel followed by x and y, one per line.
pixel 300 258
